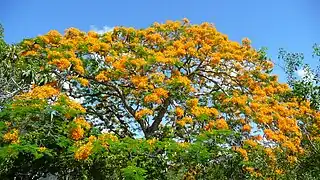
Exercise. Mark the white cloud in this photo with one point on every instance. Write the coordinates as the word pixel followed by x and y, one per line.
pixel 301 73
pixel 102 30
pixel 306 74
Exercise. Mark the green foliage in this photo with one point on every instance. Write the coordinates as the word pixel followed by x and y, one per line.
pixel 308 86
pixel 127 158
pixel 16 73
pixel 133 173
pixel 293 61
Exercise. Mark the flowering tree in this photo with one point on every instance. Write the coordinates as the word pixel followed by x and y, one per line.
pixel 176 100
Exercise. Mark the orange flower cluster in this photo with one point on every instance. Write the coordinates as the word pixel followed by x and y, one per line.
pixel 120 64
pixel 77 133
pixel 218 124
pixel 246 128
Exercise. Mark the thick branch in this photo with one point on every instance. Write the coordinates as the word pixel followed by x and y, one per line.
pixel 158 118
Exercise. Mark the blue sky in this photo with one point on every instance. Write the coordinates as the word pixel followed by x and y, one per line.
pixel 290 24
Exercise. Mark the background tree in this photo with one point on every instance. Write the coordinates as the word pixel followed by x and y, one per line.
pixel 16 75
pixel 306 87
pixel 9 86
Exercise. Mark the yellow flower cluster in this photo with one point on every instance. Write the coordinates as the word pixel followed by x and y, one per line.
pixel 92 139
pixel 237 100
pixel 102 77
pixel 184 144
pixel 138 62
pixel 251 143
pixel 12 136
pixel 62 63
pixel 292 159
pixel 160 58
pixel 53 36
pixel 104 138
pixel 242 152
pixel 40 92
pixel 120 64
pixel 108 136
pixel 179 112
pixel 42 149
pixel 157 78
pixel 77 133
pixel 78 66
pixel 83 81
pixel 221 124
pixel 84 151
pixel 74 105
pixel 198 111
pixel 156 96
pixel 183 80
pixel 140 82
pixel 249 169
pixel 82 122
pixel 270 154
pixel 192 102
pixel 142 113
pixel 161 92
pixel 30 53
pixel 152 98
pixel 151 141
pixel 184 121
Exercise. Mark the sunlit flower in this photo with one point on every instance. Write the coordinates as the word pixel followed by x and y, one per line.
pixel 77 133
pixel 11 136
pixel 143 112
pixel 179 111
pixel 221 124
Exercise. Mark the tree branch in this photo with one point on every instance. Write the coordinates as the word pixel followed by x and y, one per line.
pixel 158 118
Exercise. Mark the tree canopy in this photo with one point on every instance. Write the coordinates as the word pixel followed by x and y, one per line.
pixel 171 101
